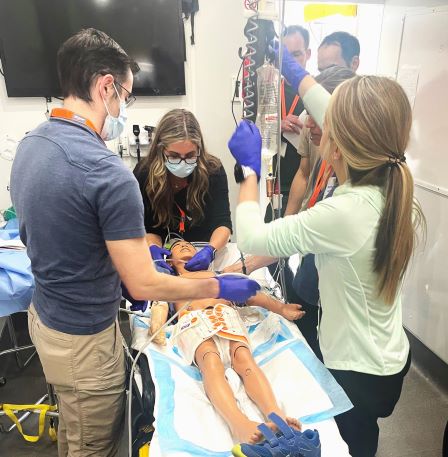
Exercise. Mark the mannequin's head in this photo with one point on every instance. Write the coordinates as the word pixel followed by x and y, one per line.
pixel 181 251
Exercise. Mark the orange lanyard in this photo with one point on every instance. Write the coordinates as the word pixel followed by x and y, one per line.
pixel 182 220
pixel 293 104
pixel 325 171
pixel 70 115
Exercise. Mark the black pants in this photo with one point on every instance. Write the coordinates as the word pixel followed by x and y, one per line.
pixel 372 397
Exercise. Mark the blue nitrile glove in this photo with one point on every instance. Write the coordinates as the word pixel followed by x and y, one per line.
pixel 136 305
pixel 245 146
pixel 237 288
pixel 292 70
pixel 202 259
pixel 157 254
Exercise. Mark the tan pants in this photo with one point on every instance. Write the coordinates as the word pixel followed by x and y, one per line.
pixel 88 374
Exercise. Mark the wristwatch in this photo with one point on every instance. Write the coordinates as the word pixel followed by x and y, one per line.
pixel 241 172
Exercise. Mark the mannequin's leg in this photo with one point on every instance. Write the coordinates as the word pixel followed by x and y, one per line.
pixel 220 393
pixel 255 382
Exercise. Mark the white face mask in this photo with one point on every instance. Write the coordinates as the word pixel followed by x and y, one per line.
pixel 114 126
pixel 182 169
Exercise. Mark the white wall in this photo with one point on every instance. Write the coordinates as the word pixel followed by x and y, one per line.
pixel 211 63
pixel 425 302
pixel 394 12
pixel 366 26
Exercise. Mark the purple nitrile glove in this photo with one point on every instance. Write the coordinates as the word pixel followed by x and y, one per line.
pixel 136 305
pixel 245 146
pixel 237 288
pixel 291 69
pixel 202 259
pixel 157 254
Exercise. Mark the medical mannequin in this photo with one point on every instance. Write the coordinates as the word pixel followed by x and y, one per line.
pixel 232 338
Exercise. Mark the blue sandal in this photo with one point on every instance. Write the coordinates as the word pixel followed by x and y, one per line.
pixel 287 442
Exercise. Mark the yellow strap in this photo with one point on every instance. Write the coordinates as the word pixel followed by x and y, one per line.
pixel 144 451
pixel 9 411
pixel 319 10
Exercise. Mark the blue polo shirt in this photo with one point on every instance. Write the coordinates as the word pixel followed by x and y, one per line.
pixel 71 194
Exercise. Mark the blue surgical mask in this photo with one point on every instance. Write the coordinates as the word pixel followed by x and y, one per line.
pixel 182 169
pixel 114 126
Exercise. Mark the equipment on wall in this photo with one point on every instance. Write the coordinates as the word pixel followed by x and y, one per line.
pixel 189 10
pixel 136 131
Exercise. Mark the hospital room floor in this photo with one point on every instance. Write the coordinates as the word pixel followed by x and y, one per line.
pixel 415 428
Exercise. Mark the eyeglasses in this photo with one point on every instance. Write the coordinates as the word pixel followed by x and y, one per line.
pixel 176 159
pixel 130 99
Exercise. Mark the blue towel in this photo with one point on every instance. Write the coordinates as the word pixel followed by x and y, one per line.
pixel 16 279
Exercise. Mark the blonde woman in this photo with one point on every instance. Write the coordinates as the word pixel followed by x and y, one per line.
pixel 362 238
pixel 184 190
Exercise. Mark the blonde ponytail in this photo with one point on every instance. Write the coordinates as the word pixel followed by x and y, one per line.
pixel 370 118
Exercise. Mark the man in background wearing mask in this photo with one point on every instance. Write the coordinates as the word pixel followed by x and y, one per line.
pixel 81 217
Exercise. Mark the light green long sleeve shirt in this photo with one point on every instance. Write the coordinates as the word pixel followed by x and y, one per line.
pixel 358 331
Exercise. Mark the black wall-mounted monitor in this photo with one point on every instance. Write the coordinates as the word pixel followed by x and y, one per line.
pixel 150 31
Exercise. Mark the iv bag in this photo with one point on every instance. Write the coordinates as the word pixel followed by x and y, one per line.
pixel 267 111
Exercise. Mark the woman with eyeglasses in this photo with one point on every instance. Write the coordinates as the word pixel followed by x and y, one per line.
pixel 184 190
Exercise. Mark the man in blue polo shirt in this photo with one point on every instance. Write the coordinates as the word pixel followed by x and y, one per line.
pixel 81 218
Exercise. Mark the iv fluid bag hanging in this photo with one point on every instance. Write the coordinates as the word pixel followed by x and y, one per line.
pixel 267 112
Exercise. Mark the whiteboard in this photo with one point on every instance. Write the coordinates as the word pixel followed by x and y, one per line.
pixel 423 71
pixel 425 292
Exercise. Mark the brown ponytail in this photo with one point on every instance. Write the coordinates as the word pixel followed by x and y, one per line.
pixel 396 235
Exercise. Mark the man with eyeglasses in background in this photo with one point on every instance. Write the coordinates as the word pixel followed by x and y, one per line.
pixel 81 217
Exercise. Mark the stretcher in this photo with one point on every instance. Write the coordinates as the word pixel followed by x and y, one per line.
pixel 185 422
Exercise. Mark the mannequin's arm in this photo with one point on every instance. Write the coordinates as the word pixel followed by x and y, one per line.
pixel 290 311
pixel 159 315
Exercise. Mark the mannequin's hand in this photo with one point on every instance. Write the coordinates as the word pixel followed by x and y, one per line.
pixel 201 260
pixel 292 311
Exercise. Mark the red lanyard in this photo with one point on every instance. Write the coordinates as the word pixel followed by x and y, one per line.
pixel 325 171
pixel 70 115
pixel 293 104
pixel 182 220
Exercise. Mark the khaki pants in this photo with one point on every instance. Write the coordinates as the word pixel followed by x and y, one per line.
pixel 88 374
